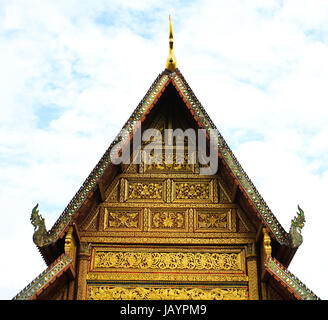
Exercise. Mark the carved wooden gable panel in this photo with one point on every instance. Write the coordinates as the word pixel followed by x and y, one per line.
pixel 203 235
pixel 140 203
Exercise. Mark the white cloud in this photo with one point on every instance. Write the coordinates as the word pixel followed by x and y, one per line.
pixel 259 68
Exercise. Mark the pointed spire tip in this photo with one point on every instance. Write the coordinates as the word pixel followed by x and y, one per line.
pixel 171 62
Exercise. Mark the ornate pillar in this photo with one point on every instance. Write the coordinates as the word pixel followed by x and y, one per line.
pixel 83 263
pixel 70 250
pixel 252 271
pixel 266 251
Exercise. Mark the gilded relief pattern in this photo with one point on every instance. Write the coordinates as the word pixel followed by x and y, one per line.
pixel 212 220
pixel 115 220
pixel 168 220
pixel 197 276
pixel 192 190
pixel 166 293
pixel 138 190
pixel 169 163
pixel 167 260
pixel 161 202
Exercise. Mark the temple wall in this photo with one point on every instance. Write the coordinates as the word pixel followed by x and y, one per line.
pixel 168 235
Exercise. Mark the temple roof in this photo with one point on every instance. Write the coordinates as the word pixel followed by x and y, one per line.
pixel 224 152
pixel 60 263
pixel 66 219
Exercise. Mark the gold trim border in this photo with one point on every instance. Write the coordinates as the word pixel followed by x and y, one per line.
pixel 154 276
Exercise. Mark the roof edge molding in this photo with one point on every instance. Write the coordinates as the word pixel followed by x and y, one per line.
pixel 288 280
pixel 292 239
pixel 41 282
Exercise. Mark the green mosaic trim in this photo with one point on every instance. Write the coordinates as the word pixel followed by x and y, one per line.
pixel 270 220
pixel 44 278
pixel 289 280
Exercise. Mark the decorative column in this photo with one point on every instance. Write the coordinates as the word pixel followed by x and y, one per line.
pixel 266 251
pixel 83 263
pixel 70 250
pixel 252 271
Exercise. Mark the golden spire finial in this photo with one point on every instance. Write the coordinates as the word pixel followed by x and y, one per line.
pixel 171 62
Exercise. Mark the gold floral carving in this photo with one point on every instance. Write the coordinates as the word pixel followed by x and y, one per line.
pixel 166 293
pixel 182 204
pixel 167 260
pixel 139 190
pixel 192 191
pixel 168 220
pixel 212 220
pixel 169 162
pixel 115 220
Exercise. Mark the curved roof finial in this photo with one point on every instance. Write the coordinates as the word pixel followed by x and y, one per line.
pixel 171 62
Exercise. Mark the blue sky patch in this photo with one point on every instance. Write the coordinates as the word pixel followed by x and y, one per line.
pixel 46 114
pixel 316 35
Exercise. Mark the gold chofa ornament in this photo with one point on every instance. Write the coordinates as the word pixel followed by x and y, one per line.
pixel 171 62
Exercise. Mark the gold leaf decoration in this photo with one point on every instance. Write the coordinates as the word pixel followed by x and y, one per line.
pixel 168 220
pixel 123 219
pixel 192 191
pixel 166 293
pixel 167 260
pixel 140 190
pixel 212 220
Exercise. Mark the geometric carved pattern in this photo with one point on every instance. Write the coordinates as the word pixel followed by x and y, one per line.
pixel 114 292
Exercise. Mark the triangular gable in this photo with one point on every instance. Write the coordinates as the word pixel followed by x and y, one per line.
pixel 140 113
pixel 63 264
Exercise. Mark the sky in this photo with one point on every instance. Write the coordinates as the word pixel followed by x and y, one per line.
pixel 72 72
